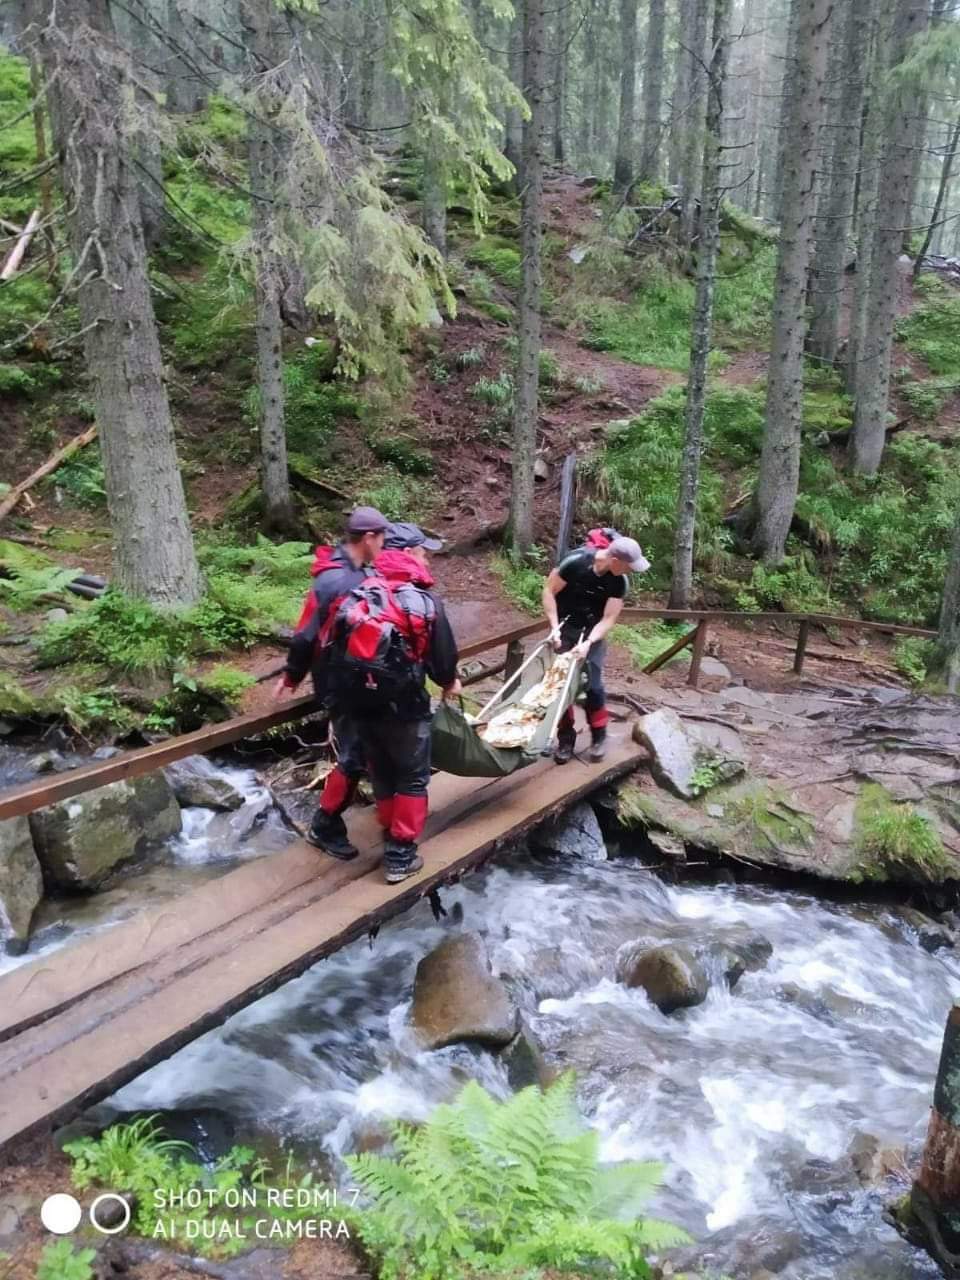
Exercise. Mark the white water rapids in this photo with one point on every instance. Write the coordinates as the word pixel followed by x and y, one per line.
pixel 751 1100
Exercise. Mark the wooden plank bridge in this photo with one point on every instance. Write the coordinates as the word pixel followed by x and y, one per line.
pixel 78 1024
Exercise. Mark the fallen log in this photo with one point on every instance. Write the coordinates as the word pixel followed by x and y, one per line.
pixel 15 257
pixel 8 503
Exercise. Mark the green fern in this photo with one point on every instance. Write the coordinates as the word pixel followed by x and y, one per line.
pixel 506 1186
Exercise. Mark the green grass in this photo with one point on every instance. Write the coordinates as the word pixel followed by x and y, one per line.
pixel 522 582
pixel 932 330
pixel 654 328
pixel 398 496
pixel 499 258
pixel 892 837
pixel 645 641
pixel 497 392
pixel 314 406
pixel 878 546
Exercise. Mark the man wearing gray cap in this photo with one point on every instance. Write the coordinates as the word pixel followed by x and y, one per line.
pixel 336 571
pixel 582 599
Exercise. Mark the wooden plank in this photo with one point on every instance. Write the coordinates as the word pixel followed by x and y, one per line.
pixel 32 992
pixel 699 644
pixel 802 637
pixel 134 764
pixel 735 616
pixel 130 1025
pixel 667 654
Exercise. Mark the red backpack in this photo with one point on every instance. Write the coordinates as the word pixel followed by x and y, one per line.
pixel 377 638
pixel 600 539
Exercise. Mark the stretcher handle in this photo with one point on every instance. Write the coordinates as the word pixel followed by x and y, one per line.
pixel 500 693
pixel 574 670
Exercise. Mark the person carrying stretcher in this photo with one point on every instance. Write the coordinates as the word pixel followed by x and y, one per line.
pixel 586 591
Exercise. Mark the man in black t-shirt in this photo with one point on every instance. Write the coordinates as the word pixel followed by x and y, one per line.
pixel 583 598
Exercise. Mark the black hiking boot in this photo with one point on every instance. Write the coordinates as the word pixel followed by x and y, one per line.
pixel 400 860
pixel 598 745
pixel 566 745
pixel 328 832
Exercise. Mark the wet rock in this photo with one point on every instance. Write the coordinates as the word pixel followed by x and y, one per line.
pixel 524 1061
pixel 456 996
pixel 672 977
pixel 672 847
pixel 16 1209
pixel 79 841
pixel 673 754
pixel 725 961
pixel 47 762
pixel 752 947
pixel 714 670
pixel 21 883
pixel 576 834
pixel 56 615
pixel 546 973
pixel 826 1005
pixel 932 935
pixel 195 781
pixel 872 1162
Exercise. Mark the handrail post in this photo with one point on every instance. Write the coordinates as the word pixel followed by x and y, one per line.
pixel 515 656
pixel 802 637
pixel 699 644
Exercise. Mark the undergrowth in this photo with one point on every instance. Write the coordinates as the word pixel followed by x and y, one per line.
pixel 879 545
pixel 654 327
pixel 522 579
pixel 250 592
pixel 514 1187
pixel 932 330
pixel 314 406
pixel 645 641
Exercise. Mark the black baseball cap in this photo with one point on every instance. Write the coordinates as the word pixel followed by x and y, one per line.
pixel 367 520
pixel 401 536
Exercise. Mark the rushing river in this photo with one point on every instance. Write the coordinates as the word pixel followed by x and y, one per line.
pixel 752 1099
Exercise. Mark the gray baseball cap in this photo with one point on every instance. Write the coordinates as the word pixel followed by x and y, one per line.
pixel 628 551
pixel 367 520
pixel 401 536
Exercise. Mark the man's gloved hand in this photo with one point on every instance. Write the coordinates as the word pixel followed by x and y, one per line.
pixel 452 690
pixel 581 650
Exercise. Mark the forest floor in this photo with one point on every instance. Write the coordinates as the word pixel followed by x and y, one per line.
pixel 450 412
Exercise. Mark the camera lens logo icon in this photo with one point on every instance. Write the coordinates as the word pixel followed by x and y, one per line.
pixel 61 1213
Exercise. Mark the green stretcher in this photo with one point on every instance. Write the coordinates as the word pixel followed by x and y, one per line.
pixel 457 747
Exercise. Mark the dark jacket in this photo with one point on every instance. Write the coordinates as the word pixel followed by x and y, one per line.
pixel 334 575
pixel 442 657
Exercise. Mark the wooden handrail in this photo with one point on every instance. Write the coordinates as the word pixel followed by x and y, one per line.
pixel 33 795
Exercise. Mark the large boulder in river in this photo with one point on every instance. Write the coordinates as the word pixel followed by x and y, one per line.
pixel 196 781
pixel 21 883
pixel 575 833
pixel 456 996
pixel 79 841
pixel 672 977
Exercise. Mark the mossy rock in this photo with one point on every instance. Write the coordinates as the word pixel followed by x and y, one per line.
pixel 15 701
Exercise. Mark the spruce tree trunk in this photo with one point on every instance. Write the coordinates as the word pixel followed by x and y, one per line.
pixel 780 455
pixel 868 186
pixel 187 90
pixel 946 662
pixel 528 309
pixel 434 202
pixel 653 93
pixel 694 39
pixel 873 377
pixel 623 164
pixel 368 67
pixel 934 1209
pixel 267 38
pixel 789 87
pixel 835 211
pixel 946 173
pixel 513 136
pixel 702 326
pixel 560 82
pixel 90 86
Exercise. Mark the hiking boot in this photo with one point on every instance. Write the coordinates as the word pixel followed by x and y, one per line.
pixel 566 745
pixel 328 832
pixel 598 745
pixel 400 860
